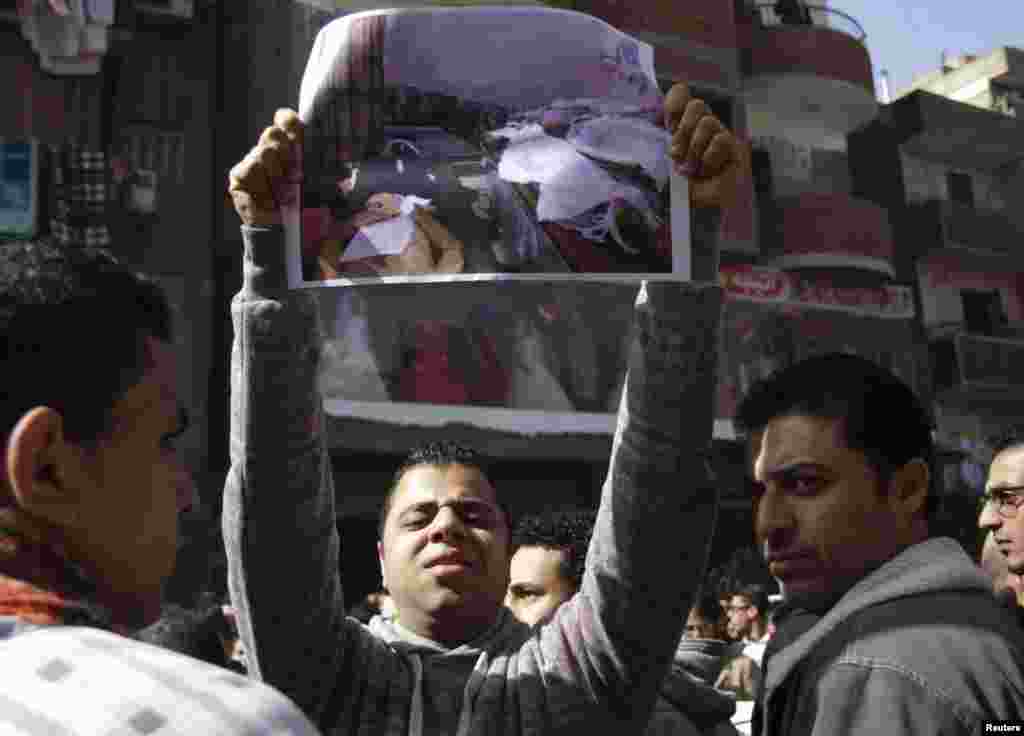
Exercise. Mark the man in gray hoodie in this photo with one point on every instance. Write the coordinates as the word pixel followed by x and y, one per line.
pixel 455 661
pixel 882 629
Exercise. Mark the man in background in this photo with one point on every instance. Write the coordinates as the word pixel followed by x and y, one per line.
pixel 883 628
pixel 1001 518
pixel 546 571
pixel 748 620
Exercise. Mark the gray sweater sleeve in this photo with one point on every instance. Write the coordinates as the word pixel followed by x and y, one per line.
pixel 278 516
pixel 612 644
pixel 658 506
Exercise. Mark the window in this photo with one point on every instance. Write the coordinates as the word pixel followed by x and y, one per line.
pixel 761 167
pixel 961 189
pixel 983 311
pixel 1006 100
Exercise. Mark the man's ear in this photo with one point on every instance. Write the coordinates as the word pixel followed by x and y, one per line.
pixel 908 487
pixel 37 466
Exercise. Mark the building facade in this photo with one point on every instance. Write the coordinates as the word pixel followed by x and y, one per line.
pixel 952 187
pixel 994 81
pixel 892 231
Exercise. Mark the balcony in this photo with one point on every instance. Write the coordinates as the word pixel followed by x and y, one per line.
pixel 986 234
pixel 814 69
pixel 978 369
pixel 818 230
pixel 955 133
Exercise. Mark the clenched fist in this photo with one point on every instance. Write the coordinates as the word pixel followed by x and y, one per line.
pixel 704 150
pixel 263 182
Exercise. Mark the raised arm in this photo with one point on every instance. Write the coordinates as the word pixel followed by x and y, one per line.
pixel 279 518
pixel 616 638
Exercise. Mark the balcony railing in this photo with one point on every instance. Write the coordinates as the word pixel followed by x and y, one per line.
pixel 811 15
pixel 979 362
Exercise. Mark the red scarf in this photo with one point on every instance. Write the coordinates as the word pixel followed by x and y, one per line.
pixel 40 586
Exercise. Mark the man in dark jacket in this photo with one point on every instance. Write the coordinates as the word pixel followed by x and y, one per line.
pixel 882 629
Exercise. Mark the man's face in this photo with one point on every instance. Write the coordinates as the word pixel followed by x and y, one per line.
pixel 1004 582
pixel 536 584
pixel 819 515
pixel 698 627
pixel 1006 472
pixel 741 615
pixel 131 491
pixel 445 543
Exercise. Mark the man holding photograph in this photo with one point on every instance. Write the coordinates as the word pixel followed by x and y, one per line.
pixel 453 660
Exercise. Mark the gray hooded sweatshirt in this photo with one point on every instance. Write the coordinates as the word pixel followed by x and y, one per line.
pixel 601 660
pixel 919 646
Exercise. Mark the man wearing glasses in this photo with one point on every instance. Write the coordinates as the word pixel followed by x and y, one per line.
pixel 748 619
pixel 1000 515
pixel 884 627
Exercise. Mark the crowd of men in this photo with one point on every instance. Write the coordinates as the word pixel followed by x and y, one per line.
pixel 598 620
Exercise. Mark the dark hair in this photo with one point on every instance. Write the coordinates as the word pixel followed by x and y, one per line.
pixel 745 566
pixel 72 327
pixel 439 454
pixel 568 531
pixel 1008 439
pixel 196 634
pixel 708 608
pixel 880 415
pixel 758 597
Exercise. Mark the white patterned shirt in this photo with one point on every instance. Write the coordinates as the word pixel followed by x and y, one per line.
pixel 64 680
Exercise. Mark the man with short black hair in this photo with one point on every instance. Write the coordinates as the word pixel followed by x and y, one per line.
pixel 705 620
pixel 89 496
pixel 547 571
pixel 1004 494
pixel 550 553
pixel 454 660
pixel 882 628
pixel 747 613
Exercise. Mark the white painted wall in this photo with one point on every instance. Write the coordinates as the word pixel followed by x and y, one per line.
pixel 771 123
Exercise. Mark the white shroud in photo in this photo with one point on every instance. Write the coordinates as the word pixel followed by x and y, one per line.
pixel 483 190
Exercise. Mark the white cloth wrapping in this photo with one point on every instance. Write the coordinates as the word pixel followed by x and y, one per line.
pixel 624 140
pixel 572 182
pixel 388 238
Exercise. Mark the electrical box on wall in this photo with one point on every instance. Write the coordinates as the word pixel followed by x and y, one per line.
pixel 19 188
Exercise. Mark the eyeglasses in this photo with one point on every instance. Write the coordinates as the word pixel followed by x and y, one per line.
pixel 737 609
pixel 1008 500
